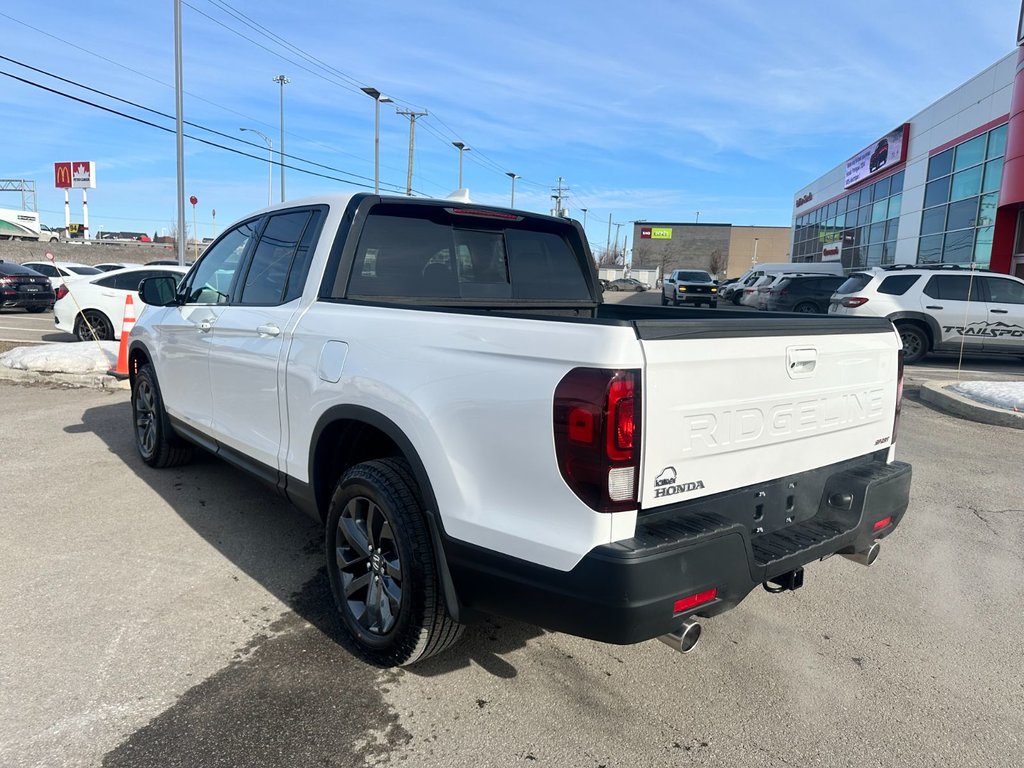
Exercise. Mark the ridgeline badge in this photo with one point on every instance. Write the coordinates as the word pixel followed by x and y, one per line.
pixel 666 485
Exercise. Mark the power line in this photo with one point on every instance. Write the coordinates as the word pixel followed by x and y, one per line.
pixel 171 130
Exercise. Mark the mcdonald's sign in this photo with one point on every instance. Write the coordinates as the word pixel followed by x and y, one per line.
pixel 62 175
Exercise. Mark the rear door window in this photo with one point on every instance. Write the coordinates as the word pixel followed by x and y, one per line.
pixel 280 260
pixel 953 288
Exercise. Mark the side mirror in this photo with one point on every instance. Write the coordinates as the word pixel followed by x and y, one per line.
pixel 159 291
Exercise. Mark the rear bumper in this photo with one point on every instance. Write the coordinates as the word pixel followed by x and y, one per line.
pixel 9 301
pixel 625 592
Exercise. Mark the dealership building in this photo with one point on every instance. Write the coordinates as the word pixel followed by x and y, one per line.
pixel 947 186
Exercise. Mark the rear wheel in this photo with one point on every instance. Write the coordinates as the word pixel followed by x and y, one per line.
pixel 664 301
pixel 736 297
pixel 915 343
pixel 156 445
pixel 380 560
pixel 807 307
pixel 93 324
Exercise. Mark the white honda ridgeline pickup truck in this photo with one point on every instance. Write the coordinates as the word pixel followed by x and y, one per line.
pixel 439 384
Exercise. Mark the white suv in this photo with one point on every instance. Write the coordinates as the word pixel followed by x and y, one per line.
pixel 940 308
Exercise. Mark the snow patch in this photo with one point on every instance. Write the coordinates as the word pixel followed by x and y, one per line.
pixel 1001 394
pixel 77 357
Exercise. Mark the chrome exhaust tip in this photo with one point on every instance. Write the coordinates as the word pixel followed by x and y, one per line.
pixel 866 556
pixel 684 639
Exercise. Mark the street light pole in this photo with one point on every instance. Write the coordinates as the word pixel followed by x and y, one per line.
pixel 462 148
pixel 270 162
pixel 584 218
pixel 377 97
pixel 753 262
pixel 282 80
pixel 180 134
pixel 512 203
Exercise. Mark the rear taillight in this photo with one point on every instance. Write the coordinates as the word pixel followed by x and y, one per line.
pixel 597 436
pixel 853 301
pixel 899 398
pixel 62 291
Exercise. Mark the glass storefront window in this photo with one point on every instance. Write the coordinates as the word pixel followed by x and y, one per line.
pixel 864 215
pixel 987 213
pixel 880 210
pixel 962 214
pixel 993 175
pixel 997 141
pixel 897 183
pixel 966 183
pixel 876 233
pixel 891 228
pixel 895 203
pixel 970 152
pixel 940 165
pixel 875 255
pixel 936 192
pixel 933 220
pixel 888 253
pixel 959 247
pixel 983 247
pixel 929 249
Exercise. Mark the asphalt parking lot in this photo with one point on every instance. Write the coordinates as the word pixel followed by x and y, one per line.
pixel 180 618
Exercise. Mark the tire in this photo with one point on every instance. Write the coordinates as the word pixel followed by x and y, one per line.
pixel 380 559
pixel 157 445
pixel 806 307
pixel 713 305
pixel 736 296
pixel 101 329
pixel 614 288
pixel 664 301
pixel 915 343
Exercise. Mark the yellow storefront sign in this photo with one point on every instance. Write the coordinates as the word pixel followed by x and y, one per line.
pixel 661 233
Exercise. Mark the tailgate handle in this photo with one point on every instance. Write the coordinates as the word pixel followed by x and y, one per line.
pixel 801 361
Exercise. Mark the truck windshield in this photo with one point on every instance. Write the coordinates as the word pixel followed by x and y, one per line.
pixel 694 277
pixel 426 252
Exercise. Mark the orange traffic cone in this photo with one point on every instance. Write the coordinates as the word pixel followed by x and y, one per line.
pixel 121 371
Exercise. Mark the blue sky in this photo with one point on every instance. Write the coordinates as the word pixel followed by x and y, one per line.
pixel 723 107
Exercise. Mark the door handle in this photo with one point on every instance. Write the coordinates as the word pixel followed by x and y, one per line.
pixel 999 311
pixel 268 330
pixel 932 306
pixel 205 326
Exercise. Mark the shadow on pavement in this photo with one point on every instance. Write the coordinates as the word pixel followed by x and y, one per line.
pixel 276 544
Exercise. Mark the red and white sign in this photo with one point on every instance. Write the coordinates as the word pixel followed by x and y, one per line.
pixel 831 252
pixel 193 200
pixel 888 151
pixel 83 174
pixel 645 233
pixel 62 175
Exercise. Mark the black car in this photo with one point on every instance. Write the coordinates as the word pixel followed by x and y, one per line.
pixel 24 287
pixel 879 156
pixel 803 293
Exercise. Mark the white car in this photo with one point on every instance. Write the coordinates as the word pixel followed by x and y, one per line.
pixel 939 308
pixel 93 308
pixel 110 266
pixel 61 272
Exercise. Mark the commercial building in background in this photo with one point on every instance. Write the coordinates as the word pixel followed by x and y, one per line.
pixel 722 249
pixel 940 188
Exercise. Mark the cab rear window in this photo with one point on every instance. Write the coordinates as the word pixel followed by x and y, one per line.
pixel 431 253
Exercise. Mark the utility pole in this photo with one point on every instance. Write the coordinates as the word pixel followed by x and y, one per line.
pixel 179 134
pixel 412 140
pixel 283 81
pixel 697 220
pixel 608 245
pixel 618 228
pixel 557 197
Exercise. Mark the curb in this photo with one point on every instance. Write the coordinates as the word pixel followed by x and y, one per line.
pixel 939 395
pixel 80 380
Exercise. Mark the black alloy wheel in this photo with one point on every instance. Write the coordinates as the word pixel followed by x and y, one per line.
pixel 806 307
pixel 380 560
pixel 156 447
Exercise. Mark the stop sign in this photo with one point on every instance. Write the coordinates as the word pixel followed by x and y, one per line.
pixel 193 199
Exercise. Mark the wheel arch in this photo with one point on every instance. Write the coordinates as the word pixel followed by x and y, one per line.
pixel 138 356
pixel 346 435
pixel 925 322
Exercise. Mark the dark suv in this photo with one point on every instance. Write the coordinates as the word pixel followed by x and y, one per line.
pixel 24 287
pixel 803 293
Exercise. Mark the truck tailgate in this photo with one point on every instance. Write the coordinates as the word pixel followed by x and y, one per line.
pixel 728 409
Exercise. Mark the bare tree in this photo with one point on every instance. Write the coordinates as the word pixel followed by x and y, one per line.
pixel 717 262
